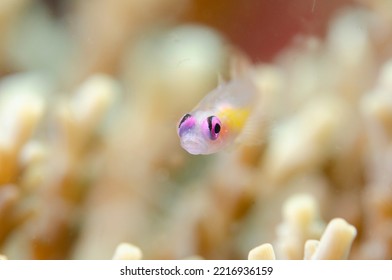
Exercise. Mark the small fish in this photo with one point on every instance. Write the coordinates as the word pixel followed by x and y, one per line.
pixel 220 117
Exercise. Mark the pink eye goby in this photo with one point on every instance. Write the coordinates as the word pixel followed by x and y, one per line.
pixel 221 116
pixel 211 127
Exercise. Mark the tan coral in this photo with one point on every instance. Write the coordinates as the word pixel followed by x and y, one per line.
pixel 301 221
pixel 90 96
pixel 127 251
pixel 262 252
pixel 335 244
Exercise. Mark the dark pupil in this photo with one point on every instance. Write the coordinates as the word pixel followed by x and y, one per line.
pixel 213 130
pixel 217 128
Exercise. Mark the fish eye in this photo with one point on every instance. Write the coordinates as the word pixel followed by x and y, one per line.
pixel 185 124
pixel 214 127
pixel 184 118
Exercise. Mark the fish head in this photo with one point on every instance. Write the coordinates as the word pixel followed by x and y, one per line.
pixel 201 133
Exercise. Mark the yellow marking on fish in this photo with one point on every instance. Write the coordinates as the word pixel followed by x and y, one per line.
pixel 234 118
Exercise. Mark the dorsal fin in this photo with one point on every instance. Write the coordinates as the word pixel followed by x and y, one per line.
pixel 240 64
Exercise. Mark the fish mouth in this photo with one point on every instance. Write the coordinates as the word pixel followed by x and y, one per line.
pixel 194 146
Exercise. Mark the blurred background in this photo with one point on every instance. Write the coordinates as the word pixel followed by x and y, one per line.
pixel 91 93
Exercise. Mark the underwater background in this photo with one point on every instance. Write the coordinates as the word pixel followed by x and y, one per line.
pixel 91 166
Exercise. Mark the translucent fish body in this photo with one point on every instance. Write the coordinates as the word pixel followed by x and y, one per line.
pixel 218 119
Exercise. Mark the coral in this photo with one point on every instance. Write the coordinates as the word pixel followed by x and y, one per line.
pixel 262 252
pixel 303 235
pixel 335 244
pixel 126 251
pixel 90 96
pixel 301 221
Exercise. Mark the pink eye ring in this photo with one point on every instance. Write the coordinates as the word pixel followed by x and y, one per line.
pixel 186 124
pixel 212 127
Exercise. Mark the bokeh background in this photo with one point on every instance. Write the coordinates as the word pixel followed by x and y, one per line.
pixel 91 93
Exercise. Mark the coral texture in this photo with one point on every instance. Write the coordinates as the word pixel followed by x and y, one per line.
pixel 90 162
